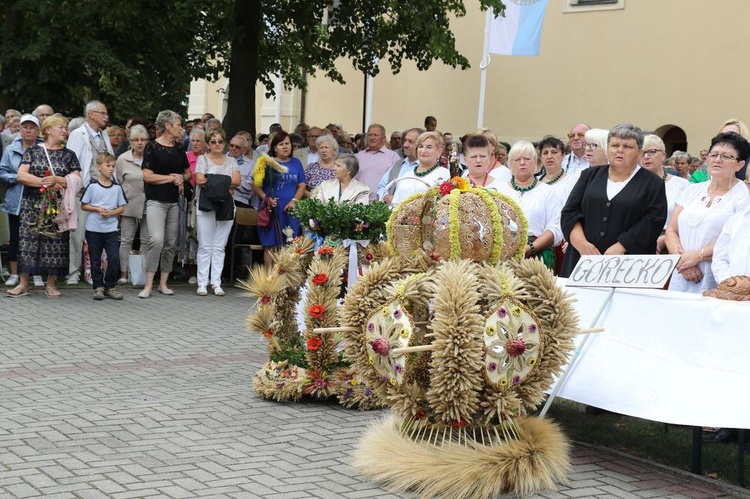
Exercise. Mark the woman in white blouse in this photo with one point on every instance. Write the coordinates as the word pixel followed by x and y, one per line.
pixel 701 212
pixel 213 230
pixel 428 172
pixel 653 155
pixel 539 203
pixel 479 158
pixel 343 187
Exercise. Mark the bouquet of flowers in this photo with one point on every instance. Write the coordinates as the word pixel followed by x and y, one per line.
pixel 49 208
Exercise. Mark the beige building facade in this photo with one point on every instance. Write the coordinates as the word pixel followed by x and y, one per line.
pixel 678 67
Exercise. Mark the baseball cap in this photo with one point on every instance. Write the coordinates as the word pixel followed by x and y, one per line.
pixel 29 117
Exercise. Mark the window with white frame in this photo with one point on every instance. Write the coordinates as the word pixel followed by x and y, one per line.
pixel 592 5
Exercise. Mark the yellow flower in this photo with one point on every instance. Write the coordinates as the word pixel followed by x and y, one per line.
pixel 372 361
pixel 461 183
pixel 354 382
pixel 403 333
pixel 385 311
pixel 517 311
pixel 393 381
pixel 491 330
pixel 531 362
pixel 504 382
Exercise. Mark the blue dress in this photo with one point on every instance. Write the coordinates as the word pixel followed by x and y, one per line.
pixel 284 188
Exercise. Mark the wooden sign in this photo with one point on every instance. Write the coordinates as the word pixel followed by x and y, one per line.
pixel 623 271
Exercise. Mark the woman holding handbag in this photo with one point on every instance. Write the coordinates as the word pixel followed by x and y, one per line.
pixel 279 190
pixel 214 171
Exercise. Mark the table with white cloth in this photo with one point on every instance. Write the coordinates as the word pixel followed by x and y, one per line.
pixel 664 356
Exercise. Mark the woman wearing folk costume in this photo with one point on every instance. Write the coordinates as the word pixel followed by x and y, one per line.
pixel 428 171
pixel 616 209
pixel 701 212
pixel 479 158
pixel 540 204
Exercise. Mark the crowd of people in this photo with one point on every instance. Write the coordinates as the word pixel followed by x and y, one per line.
pixel 82 190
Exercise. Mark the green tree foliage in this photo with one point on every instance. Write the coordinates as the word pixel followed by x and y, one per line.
pixel 296 38
pixel 137 56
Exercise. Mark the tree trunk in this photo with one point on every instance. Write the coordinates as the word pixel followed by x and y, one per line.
pixel 243 68
pixel 10 32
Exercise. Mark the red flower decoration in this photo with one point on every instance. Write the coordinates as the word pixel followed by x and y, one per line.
pixel 446 188
pixel 320 279
pixel 314 343
pixel 265 299
pixel 325 251
pixel 421 414
pixel 369 257
pixel 317 311
pixel 268 333
pixel 459 424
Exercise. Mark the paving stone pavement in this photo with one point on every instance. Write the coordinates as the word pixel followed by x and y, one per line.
pixel 153 398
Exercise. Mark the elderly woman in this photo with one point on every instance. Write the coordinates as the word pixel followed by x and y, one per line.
pixel 478 157
pixel 9 164
pixel 116 136
pixel 343 187
pixel 614 209
pixel 217 174
pixel 323 169
pixel 701 212
pixel 129 174
pixel 731 125
pixel 428 171
pixel 539 203
pixel 595 146
pixel 197 148
pixel 280 191
pixel 652 159
pixel 44 168
pixel 165 169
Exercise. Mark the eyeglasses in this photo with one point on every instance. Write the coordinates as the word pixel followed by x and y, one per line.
pixel 235 146
pixel 578 135
pixel 216 142
pixel 103 113
pixel 29 128
pixel 590 145
pixel 724 157
pixel 651 152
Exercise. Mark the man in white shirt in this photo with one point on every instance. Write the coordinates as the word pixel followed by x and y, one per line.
pixel 375 160
pixel 576 161
pixel 86 142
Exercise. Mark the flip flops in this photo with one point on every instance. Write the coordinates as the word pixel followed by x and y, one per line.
pixel 17 292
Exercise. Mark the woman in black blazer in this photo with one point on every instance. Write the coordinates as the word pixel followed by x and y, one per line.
pixel 615 209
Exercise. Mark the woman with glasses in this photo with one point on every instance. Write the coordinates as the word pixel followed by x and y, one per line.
pixel 216 175
pixel 595 145
pixel 701 212
pixel 280 191
pixel 614 209
pixel 652 159
pixel 165 169
pixel 130 175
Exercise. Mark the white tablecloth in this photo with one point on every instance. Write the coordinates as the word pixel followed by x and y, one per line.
pixel 665 356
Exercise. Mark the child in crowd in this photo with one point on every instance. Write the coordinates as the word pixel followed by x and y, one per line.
pixel 105 200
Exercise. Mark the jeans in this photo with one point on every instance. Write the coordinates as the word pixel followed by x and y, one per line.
pixel 106 241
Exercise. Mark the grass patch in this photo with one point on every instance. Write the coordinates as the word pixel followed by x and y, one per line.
pixel 666 444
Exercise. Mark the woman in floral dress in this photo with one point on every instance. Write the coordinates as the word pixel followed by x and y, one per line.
pixel 42 249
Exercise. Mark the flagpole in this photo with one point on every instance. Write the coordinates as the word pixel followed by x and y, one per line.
pixel 483 66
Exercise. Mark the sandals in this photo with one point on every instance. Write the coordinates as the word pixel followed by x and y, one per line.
pixel 51 292
pixel 17 292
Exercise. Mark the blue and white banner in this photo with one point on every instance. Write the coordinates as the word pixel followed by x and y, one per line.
pixel 518 33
